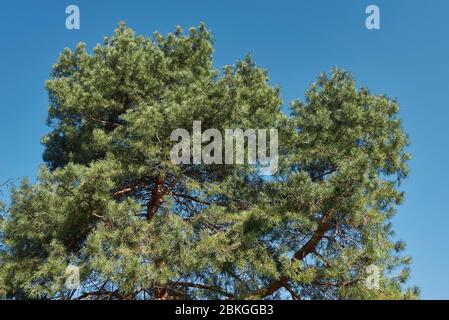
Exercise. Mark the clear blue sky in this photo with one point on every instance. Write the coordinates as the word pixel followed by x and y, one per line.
pixel 296 40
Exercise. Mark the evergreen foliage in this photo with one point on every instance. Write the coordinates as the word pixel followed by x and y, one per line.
pixel 109 200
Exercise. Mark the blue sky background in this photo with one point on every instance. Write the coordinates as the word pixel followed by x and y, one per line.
pixel 407 59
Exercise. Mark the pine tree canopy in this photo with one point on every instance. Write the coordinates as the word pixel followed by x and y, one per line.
pixel 109 200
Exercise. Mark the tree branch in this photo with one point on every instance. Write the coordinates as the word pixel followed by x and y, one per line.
pixel 186 196
pixel 295 296
pixel 305 250
pixel 157 195
pixel 202 286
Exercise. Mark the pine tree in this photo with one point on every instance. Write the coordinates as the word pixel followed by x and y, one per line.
pixel 109 200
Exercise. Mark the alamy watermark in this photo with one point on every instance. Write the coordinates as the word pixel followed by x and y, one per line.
pixel 73 21
pixel 72 277
pixel 212 153
pixel 373 280
pixel 372 22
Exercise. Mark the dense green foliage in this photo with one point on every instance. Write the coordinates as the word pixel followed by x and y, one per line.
pixel 109 200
